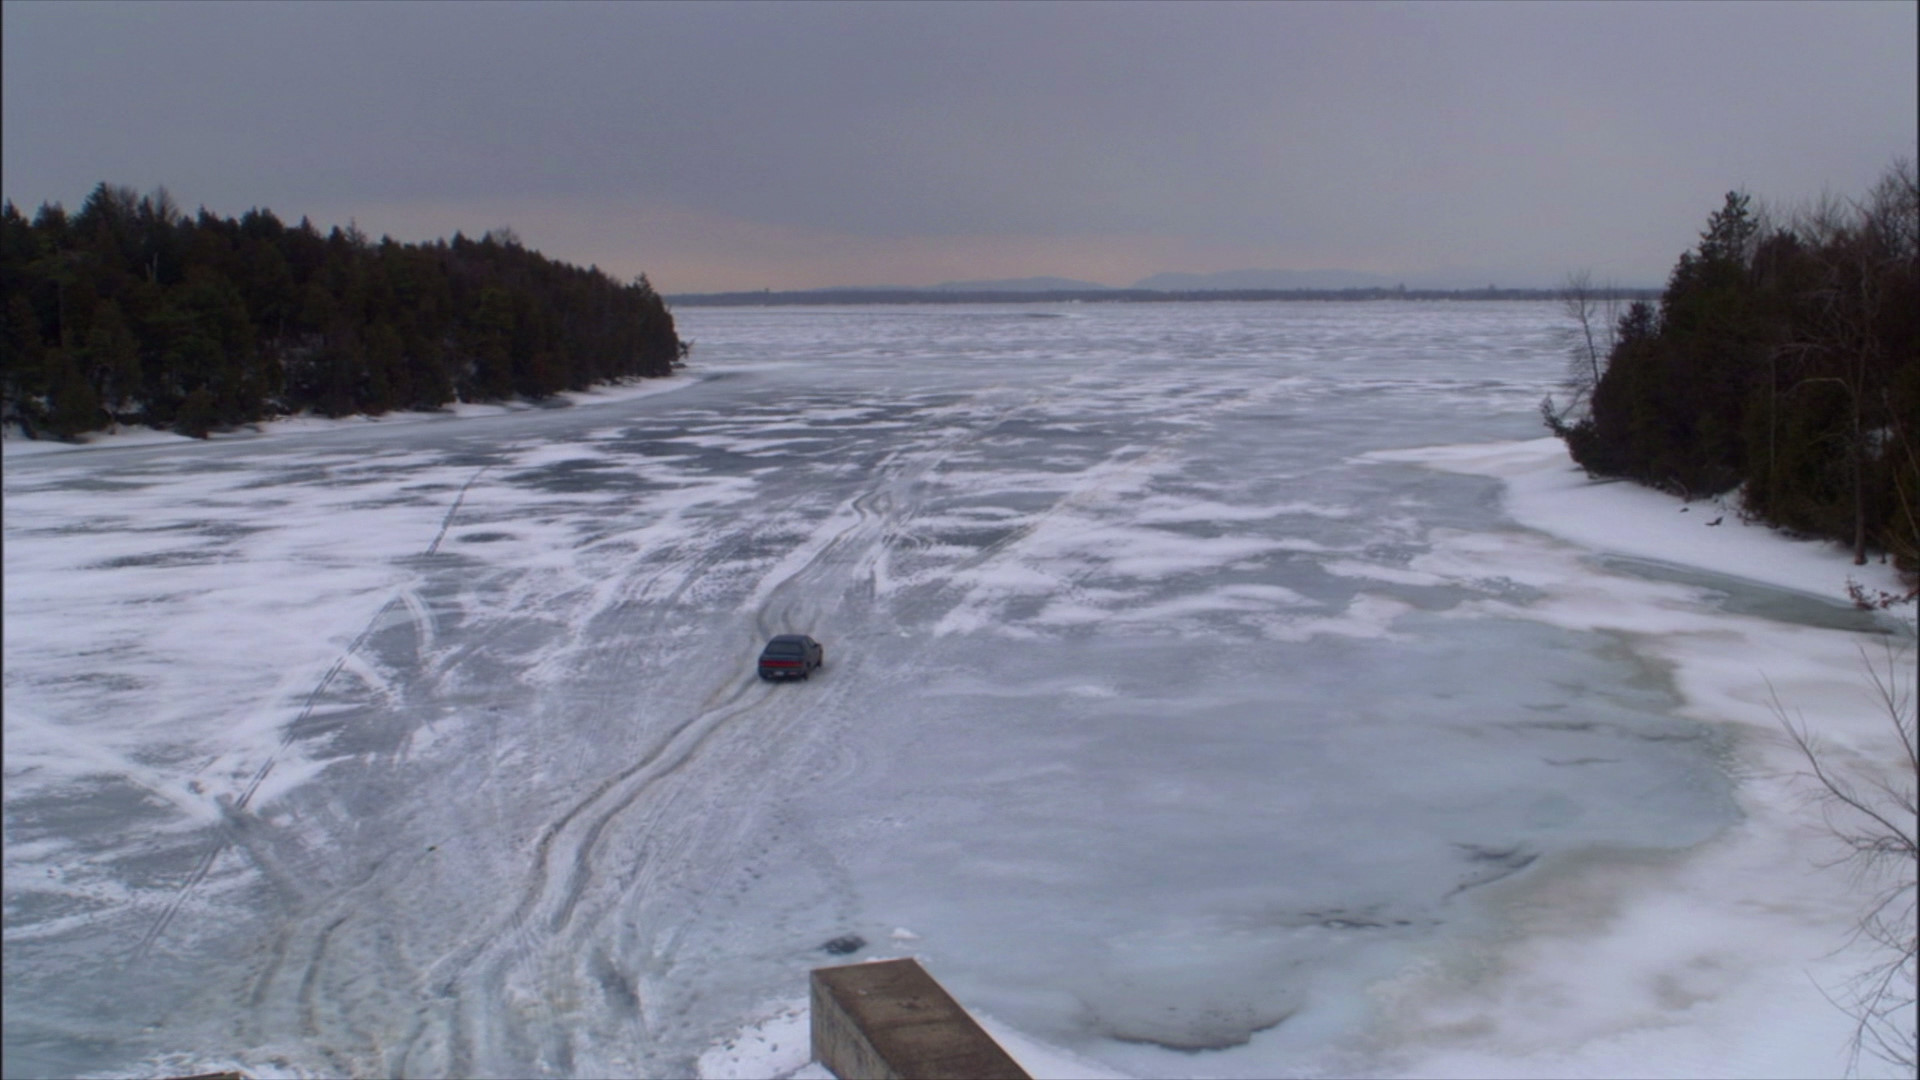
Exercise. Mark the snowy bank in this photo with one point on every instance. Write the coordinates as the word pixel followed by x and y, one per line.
pixel 1548 492
pixel 14 444
pixel 1719 962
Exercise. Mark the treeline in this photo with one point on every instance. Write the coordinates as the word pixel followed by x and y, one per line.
pixel 1783 359
pixel 131 311
pixel 822 297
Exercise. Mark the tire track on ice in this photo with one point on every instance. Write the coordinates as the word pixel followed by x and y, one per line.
pixel 562 866
pixel 493 972
pixel 232 808
pixel 565 859
pixel 334 910
pixel 493 1009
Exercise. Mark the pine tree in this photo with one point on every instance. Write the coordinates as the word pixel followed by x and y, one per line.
pixel 73 408
pixel 491 343
pixel 1787 362
pixel 200 321
pixel 195 417
pixel 112 358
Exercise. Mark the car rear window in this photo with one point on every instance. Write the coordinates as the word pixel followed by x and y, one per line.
pixel 785 648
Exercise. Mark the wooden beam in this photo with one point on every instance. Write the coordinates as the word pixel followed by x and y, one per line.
pixel 889 1020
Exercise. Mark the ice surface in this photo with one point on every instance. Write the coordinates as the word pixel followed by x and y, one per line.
pixel 1229 690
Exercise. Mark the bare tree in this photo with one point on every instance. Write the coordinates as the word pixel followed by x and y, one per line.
pixel 1859 250
pixel 1876 817
pixel 1594 312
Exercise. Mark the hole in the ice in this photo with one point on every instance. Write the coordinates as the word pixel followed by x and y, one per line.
pixel 845 945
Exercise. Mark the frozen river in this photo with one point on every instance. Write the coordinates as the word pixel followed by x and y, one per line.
pixel 1163 714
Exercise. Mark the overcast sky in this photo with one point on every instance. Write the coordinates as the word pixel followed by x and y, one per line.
pixel 798 145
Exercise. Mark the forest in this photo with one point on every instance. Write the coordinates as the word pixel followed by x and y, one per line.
pixel 133 312
pixel 1782 362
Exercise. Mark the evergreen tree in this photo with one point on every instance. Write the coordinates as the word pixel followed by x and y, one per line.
pixel 201 321
pixel 112 358
pixel 490 340
pixel 1786 363
pixel 74 408
pixel 196 414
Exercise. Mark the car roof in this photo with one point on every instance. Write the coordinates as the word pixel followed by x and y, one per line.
pixel 795 638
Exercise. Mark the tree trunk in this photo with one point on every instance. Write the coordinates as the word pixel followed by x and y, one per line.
pixel 1859 495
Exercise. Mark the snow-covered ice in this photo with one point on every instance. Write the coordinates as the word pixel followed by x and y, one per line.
pixel 1213 690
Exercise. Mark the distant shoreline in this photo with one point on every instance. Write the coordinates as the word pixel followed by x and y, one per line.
pixel 768 297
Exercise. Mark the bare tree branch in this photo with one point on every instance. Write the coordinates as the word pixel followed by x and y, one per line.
pixel 1875 815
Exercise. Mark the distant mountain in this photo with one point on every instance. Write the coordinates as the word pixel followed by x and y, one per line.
pixel 1025 284
pixel 1242 280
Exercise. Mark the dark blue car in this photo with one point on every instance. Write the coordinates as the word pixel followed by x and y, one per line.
pixel 791 656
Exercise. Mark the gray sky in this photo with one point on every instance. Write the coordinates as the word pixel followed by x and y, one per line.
pixel 745 146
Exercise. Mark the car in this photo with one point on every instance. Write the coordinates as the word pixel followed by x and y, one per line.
pixel 791 656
